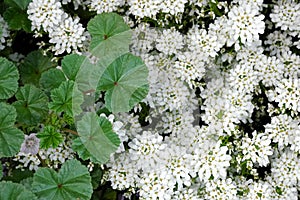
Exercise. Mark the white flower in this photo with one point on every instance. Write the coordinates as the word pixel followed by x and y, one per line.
pixel 213 163
pixel 179 167
pixel 291 64
pixel 282 191
pixel 188 70
pixel 286 15
pixel 144 8
pixel 186 194
pixel 221 189
pixel 69 36
pixel 174 7
pixel 169 41
pixel 143 39
pixel 46 14
pixel 122 173
pixel 259 190
pixel 270 70
pixel 284 131
pixel 285 168
pixel 101 6
pixel 279 42
pixel 147 150
pixel 65 33
pixel 27 160
pixel 4 33
pixel 156 185
pixel 202 43
pixel 245 23
pixel 257 148
pixel 287 94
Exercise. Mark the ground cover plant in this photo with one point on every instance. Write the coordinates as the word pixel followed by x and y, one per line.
pixel 160 99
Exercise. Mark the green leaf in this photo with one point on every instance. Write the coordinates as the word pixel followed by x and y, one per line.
pixel 111 36
pixel 82 152
pixel 11 138
pixel 31 105
pixel 81 70
pixel 33 66
pixel 11 191
pixel 125 81
pixel 18 3
pixel 62 98
pixel 9 76
pixel 97 136
pixel 50 137
pixel 71 64
pixel 73 181
pixel 27 182
pixel 17 19
pixel 51 79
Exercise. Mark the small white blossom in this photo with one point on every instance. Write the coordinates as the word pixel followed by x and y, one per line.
pixel 245 23
pixel 101 6
pixel 4 33
pixel 284 131
pixel 213 163
pixel 286 15
pixel 169 41
pixel 285 168
pixel 257 148
pixel 68 36
pixel 147 150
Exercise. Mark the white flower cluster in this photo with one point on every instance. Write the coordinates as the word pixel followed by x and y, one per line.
pixel 286 15
pixel 172 158
pixel 143 8
pixel 257 148
pixel 4 33
pixel 101 6
pixel 65 33
pixel 224 97
pixel 285 131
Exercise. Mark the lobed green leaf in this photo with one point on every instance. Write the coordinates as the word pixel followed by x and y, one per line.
pixel 73 181
pixel 32 105
pixel 9 77
pixel 11 191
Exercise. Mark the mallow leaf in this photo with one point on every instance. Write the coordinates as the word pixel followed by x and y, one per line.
pixel 62 98
pixel 125 82
pixel 70 65
pixel 17 19
pixel 10 191
pixel 82 152
pixel 9 76
pixel 22 4
pixel 111 36
pixel 51 79
pixel 49 137
pixel 32 105
pixel 11 138
pixel 97 136
pixel 33 66
pixel 73 181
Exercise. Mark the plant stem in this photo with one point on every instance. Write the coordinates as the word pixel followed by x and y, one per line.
pixel 70 131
